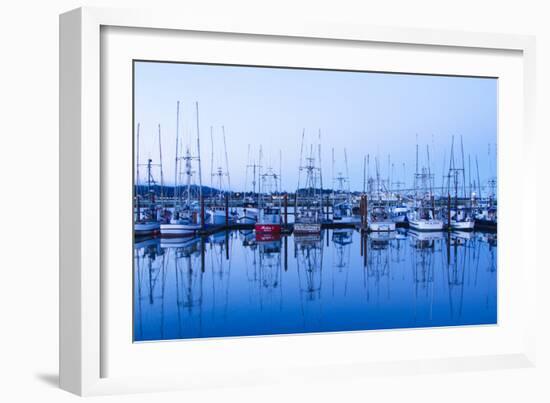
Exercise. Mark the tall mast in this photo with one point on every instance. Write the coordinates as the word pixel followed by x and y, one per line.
pixel 333 177
pixel 246 172
pixel 478 181
pixel 137 175
pixel 469 178
pixel 211 159
pixel 429 172
pixel 260 178
pixel 364 173
pixel 320 173
pixel 176 190
pixel 347 174
pixel 280 172
pixel 301 155
pixel 226 161
pixel 463 168
pixel 199 153
pixel 161 172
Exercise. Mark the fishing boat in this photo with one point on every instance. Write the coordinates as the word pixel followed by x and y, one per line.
pixel 424 217
pixel 186 219
pixel 250 212
pixel 218 211
pixel 423 220
pixel 342 207
pixel 486 218
pixel 379 219
pixel 398 214
pixel 147 219
pixel 309 201
pixel 269 218
pixel 460 217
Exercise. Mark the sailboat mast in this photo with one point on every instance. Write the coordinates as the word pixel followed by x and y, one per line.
pixel 260 178
pixel 320 173
pixel 347 174
pixel 211 159
pixel 137 175
pixel 226 161
pixel 176 190
pixel 463 168
pixel 199 153
pixel 364 173
pixel 161 173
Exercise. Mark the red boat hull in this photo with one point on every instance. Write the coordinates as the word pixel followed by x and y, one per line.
pixel 267 229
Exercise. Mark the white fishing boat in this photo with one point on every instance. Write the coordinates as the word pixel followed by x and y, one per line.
pixel 269 218
pixel 249 215
pixel 309 199
pixel 466 225
pixel 178 228
pixel 379 221
pixel 460 216
pixel 424 217
pixel 399 214
pixel 186 219
pixel 379 218
pixel 146 228
pixel 147 219
pixel 342 207
pixel 426 224
pixel 217 216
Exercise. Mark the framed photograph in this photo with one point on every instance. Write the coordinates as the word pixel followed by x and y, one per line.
pixel 244 201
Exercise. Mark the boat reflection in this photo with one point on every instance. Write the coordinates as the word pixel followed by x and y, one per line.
pixel 236 283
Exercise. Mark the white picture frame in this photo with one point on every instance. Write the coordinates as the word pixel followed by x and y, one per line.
pixel 83 160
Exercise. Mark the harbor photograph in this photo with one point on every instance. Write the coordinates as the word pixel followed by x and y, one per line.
pixel 275 200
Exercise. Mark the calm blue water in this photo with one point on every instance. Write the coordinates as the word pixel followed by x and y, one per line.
pixel 232 285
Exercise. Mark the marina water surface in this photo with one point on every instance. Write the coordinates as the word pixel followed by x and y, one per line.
pixel 234 284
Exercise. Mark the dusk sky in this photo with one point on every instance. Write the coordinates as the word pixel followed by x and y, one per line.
pixel 365 113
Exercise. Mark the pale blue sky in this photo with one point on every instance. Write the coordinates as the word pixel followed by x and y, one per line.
pixel 366 113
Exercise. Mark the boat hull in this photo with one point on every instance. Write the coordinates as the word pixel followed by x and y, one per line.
pixel 463 225
pixel 179 229
pixel 347 220
pixel 146 228
pixel 426 225
pixel 488 225
pixel 307 228
pixel 250 216
pixel 218 218
pixel 382 226
pixel 273 229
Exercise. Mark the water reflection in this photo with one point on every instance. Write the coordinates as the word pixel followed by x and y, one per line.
pixel 234 284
